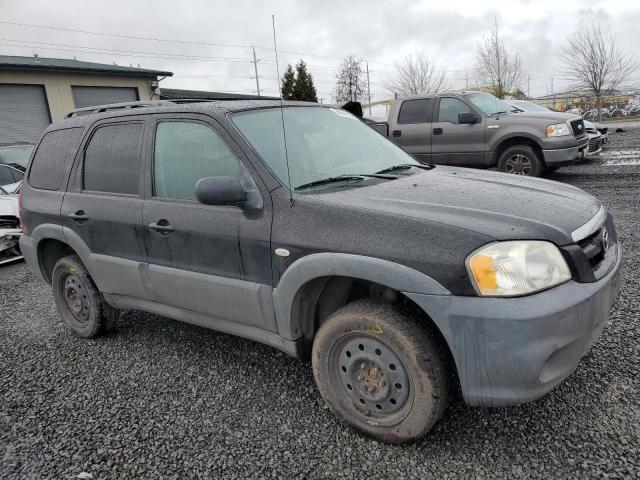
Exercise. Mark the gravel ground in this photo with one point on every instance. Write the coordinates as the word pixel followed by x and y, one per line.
pixel 163 399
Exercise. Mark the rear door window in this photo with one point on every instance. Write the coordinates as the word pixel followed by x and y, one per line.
pixel 450 108
pixel 112 159
pixel 415 111
pixel 54 152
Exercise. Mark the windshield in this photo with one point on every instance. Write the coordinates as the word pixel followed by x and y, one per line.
pixel 321 143
pixel 528 106
pixel 489 104
pixel 18 154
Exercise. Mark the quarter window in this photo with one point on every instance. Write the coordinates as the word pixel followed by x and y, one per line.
pixel 450 108
pixel 55 150
pixel 185 152
pixel 112 159
pixel 415 111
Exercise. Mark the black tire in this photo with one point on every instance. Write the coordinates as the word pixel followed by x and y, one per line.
pixel 521 160
pixel 381 371
pixel 79 303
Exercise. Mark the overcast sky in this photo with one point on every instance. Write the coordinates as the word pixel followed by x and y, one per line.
pixel 320 32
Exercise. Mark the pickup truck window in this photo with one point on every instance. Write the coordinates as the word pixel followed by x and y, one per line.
pixel 415 111
pixel 450 108
pixel 321 143
pixel 489 104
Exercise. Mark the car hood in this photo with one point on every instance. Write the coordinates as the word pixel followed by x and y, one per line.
pixel 553 116
pixel 494 204
pixel 8 205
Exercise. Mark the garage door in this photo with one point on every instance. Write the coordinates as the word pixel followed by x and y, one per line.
pixel 90 96
pixel 24 113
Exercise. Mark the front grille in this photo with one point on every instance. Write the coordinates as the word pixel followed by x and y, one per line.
pixel 593 249
pixel 594 145
pixel 578 127
pixel 9 222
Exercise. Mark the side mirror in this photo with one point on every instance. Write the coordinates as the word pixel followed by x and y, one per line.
pixel 468 118
pixel 220 191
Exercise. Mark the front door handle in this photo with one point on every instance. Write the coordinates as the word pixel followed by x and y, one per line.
pixel 437 131
pixel 79 216
pixel 396 133
pixel 162 226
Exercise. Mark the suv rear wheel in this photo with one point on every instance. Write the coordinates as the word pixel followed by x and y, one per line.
pixel 381 371
pixel 79 303
pixel 520 160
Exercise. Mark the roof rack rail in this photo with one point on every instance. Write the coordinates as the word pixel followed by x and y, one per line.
pixel 116 106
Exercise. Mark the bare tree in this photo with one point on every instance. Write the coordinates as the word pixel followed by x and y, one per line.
pixel 415 75
pixel 593 62
pixel 350 80
pixel 497 71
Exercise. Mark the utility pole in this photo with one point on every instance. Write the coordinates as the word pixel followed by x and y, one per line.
pixel 553 94
pixel 466 80
pixel 529 86
pixel 255 68
pixel 368 88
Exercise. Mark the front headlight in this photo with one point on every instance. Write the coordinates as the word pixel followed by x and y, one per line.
pixel 507 269
pixel 558 130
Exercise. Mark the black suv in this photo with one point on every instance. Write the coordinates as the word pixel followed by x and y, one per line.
pixel 298 226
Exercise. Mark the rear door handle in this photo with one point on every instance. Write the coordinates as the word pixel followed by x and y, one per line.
pixel 79 216
pixel 396 133
pixel 437 131
pixel 162 226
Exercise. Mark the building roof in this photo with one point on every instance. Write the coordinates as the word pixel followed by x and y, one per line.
pixel 174 94
pixel 8 62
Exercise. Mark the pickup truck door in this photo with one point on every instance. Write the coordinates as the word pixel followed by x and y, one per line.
pixel 455 144
pixel 411 129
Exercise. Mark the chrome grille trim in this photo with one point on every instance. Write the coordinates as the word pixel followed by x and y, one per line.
pixel 590 227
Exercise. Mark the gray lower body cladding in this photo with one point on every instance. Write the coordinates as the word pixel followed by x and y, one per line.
pixel 513 350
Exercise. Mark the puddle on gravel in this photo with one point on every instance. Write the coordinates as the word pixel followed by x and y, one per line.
pixel 619 157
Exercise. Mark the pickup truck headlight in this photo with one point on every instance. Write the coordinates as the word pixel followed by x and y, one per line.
pixel 513 268
pixel 558 130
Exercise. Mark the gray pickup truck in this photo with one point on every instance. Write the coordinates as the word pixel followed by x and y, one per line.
pixel 476 129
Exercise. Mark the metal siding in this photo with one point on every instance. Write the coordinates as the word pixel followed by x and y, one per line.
pixel 24 113
pixel 90 96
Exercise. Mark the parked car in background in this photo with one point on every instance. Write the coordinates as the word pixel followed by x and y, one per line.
pixel 9 227
pixel 595 138
pixel 475 129
pixel 404 283
pixel 16 155
pixel 10 178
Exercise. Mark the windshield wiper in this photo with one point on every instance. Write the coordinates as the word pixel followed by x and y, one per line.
pixel 498 113
pixel 339 178
pixel 405 166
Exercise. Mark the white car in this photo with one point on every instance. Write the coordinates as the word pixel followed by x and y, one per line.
pixel 9 223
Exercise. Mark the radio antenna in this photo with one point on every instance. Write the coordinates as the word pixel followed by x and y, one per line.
pixel 284 130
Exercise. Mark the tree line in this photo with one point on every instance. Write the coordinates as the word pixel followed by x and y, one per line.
pixel 592 62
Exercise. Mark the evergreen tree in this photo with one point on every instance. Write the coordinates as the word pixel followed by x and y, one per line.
pixel 304 89
pixel 288 84
pixel 350 80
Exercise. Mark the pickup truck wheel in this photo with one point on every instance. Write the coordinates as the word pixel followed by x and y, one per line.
pixel 520 160
pixel 79 303
pixel 381 371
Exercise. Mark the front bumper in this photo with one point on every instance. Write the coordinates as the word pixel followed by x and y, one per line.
pixel 568 155
pixel 9 251
pixel 509 351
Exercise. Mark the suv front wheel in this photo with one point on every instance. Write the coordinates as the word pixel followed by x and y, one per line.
pixel 381 371
pixel 80 304
pixel 520 160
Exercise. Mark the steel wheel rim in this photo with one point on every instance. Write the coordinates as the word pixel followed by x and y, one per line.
pixel 373 377
pixel 518 164
pixel 76 299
